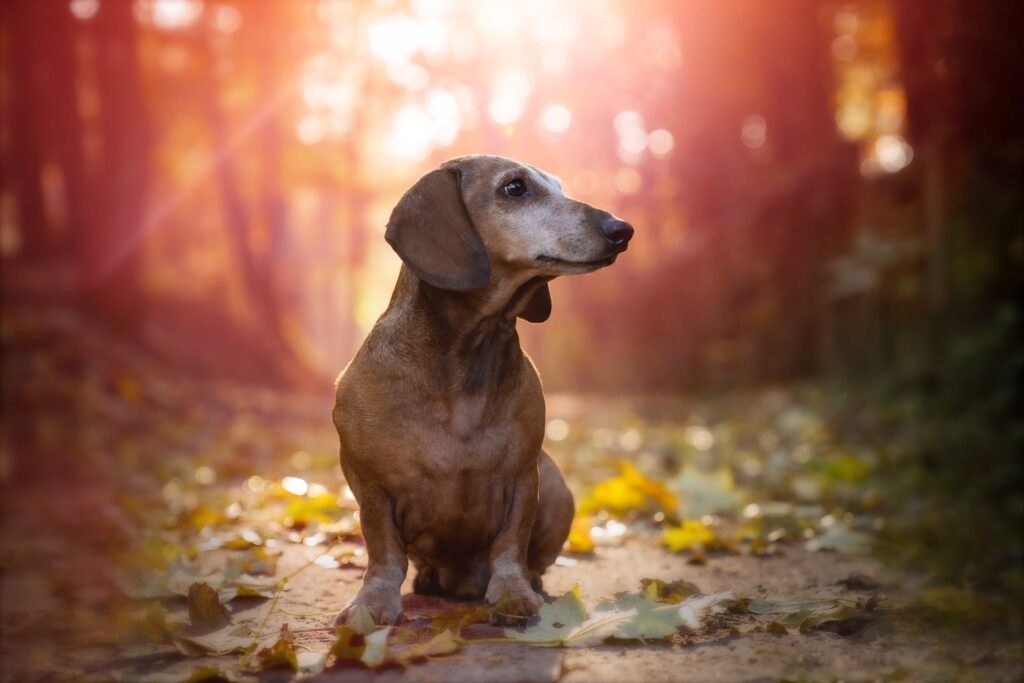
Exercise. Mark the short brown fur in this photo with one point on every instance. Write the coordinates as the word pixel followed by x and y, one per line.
pixel 441 415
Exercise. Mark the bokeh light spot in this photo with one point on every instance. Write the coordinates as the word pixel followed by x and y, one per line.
pixel 84 9
pixel 754 131
pixel 844 48
pixel 557 430
pixel 556 118
pixel 893 153
pixel 295 485
pixel 661 142
pixel 628 180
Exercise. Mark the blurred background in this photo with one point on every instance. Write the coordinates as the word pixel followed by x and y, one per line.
pixel 818 188
pixel 827 196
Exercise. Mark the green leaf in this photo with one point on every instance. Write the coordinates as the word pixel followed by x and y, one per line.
pixel 631 616
pixel 559 621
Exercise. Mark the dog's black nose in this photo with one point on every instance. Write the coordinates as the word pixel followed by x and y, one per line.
pixel 618 232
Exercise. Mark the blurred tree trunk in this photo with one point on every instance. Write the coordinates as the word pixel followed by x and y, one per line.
pixel 255 253
pixel 64 124
pixel 111 248
pixel 923 71
pixel 25 28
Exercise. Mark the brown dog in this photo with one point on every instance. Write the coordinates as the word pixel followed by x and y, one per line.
pixel 440 414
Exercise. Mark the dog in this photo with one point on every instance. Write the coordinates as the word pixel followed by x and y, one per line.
pixel 440 415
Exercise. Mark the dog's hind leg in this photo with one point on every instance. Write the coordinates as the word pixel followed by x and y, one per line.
pixel 555 511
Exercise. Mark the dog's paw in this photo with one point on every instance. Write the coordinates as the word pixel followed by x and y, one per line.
pixel 382 608
pixel 513 601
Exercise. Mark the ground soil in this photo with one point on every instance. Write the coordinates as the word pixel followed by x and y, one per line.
pixel 876 651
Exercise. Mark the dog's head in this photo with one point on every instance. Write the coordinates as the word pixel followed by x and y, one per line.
pixel 478 214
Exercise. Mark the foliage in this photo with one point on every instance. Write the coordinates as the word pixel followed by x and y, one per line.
pixel 952 464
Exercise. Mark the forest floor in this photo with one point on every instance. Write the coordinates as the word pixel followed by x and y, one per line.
pixel 159 527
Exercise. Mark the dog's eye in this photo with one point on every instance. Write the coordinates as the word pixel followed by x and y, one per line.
pixel 515 188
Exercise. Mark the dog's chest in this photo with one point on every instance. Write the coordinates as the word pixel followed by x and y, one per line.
pixel 463 434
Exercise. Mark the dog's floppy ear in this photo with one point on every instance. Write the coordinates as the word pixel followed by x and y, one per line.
pixel 431 231
pixel 538 308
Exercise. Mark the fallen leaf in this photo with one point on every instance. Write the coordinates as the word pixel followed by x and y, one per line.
pixel 225 641
pixel 672 593
pixel 631 616
pixel 859 582
pixel 559 621
pixel 444 643
pixel 840 538
pixel 312 663
pixel 690 534
pixel 279 655
pixel 459 617
pixel 808 615
pixel 580 540
pixel 352 647
pixel 629 491
pixel 205 609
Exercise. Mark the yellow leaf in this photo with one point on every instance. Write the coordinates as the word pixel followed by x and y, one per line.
pixel 631 490
pixel 351 647
pixel 618 495
pixel 580 540
pixel 671 593
pixel 280 655
pixel 652 488
pixel 458 617
pixel 444 643
pixel 692 533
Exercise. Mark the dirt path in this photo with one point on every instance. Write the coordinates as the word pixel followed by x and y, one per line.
pixel 717 654
pixel 155 472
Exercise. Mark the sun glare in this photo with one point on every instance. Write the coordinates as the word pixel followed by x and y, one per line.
pixel 508 100
pixel 170 15
pixel 395 39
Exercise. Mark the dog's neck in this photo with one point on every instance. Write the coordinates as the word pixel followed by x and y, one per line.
pixel 467 339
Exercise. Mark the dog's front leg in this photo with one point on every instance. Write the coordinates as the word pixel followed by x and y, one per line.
pixel 387 563
pixel 509 587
